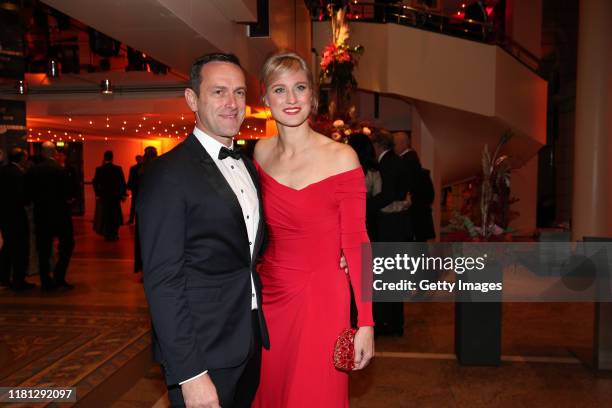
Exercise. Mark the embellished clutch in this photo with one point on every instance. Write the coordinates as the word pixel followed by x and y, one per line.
pixel 344 350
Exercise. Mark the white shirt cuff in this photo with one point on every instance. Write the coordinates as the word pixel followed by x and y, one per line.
pixel 193 378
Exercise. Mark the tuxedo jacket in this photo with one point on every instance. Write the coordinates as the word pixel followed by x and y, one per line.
pixel 396 227
pixel 395 184
pixel 412 169
pixel 197 263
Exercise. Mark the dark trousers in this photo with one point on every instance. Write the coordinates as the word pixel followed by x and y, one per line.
pixel 46 231
pixel 16 250
pixel 394 227
pixel 236 386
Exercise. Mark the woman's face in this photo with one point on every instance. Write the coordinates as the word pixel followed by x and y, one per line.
pixel 289 97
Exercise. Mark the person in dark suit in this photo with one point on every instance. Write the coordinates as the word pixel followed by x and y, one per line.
pixel 201 230
pixel 14 221
pixel 132 185
pixel 393 223
pixel 421 187
pixel 49 186
pixel 109 186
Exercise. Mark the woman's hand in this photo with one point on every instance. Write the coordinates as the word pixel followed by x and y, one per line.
pixel 364 347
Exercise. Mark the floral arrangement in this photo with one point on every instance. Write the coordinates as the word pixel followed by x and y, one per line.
pixel 338 61
pixel 494 201
pixel 339 130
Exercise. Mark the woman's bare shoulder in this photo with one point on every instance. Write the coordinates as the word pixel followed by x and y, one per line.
pixel 263 147
pixel 341 155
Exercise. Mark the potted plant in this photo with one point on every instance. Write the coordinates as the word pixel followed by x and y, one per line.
pixel 478 319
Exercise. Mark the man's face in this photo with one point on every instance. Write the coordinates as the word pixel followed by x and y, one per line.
pixel 400 142
pixel 221 103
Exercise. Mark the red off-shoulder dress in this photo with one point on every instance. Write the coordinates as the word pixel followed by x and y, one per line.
pixel 306 298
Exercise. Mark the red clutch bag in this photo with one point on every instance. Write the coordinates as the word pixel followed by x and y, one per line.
pixel 344 350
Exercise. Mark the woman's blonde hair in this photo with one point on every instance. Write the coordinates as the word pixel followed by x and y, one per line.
pixel 286 61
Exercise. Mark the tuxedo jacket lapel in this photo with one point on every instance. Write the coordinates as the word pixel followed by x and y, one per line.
pixel 215 178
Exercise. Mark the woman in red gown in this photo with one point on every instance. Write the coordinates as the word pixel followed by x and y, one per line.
pixel 314 201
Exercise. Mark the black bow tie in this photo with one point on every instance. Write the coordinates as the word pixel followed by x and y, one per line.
pixel 225 152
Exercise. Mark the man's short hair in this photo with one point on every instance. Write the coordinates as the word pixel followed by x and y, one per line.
pixel 16 155
pixel 382 138
pixel 196 68
pixel 108 155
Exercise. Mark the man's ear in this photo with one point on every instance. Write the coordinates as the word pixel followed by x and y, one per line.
pixel 192 99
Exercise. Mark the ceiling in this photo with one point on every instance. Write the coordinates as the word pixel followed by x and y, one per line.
pixel 144 104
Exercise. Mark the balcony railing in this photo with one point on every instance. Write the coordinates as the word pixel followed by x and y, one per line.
pixel 435 20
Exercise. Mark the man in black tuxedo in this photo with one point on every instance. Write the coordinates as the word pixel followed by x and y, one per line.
pixel 109 186
pixel 393 222
pixel 14 221
pixel 201 229
pixel 52 193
